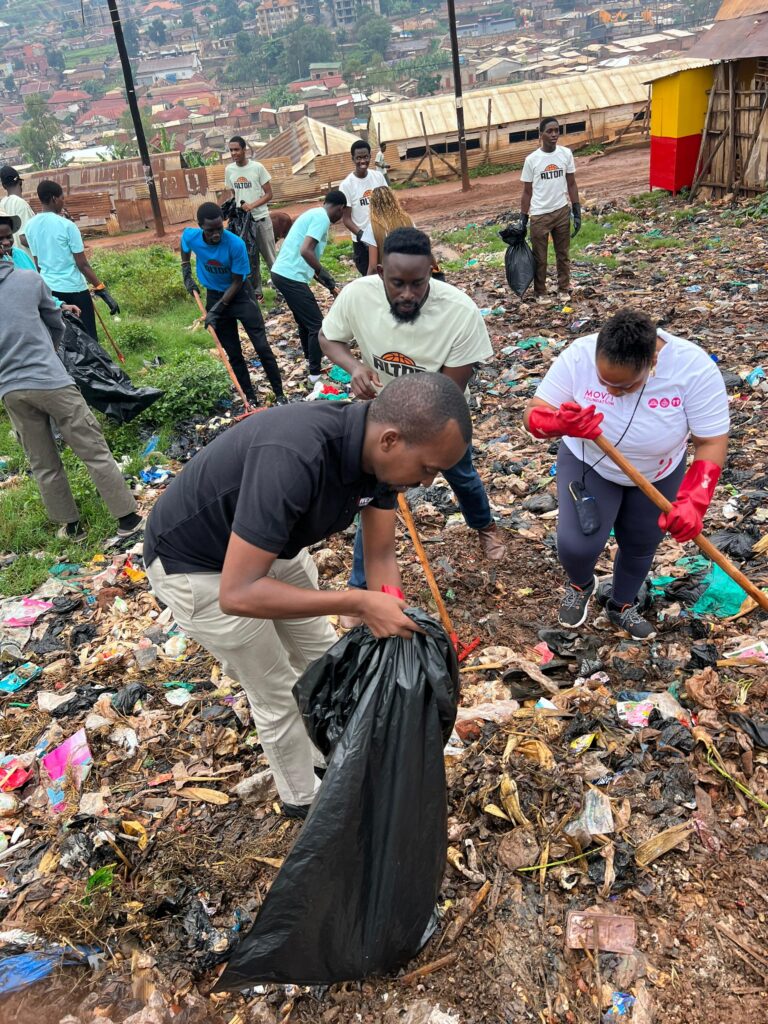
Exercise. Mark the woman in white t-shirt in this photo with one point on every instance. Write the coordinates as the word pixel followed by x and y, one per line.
pixel 648 392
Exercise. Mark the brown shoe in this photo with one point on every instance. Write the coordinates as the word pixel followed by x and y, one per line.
pixel 350 621
pixel 492 542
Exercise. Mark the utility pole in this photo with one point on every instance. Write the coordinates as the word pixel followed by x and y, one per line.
pixel 465 186
pixel 133 105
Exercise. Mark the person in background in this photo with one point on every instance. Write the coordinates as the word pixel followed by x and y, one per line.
pixel 357 187
pixel 250 184
pixel 37 391
pixel 226 543
pixel 404 322
pixel 386 215
pixel 653 391
pixel 9 227
pixel 550 198
pixel 221 263
pixel 16 205
pixel 58 249
pixel 297 263
pixel 381 161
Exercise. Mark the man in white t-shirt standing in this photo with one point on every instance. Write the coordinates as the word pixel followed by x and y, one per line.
pixel 357 187
pixel 550 196
pixel 404 321
pixel 250 184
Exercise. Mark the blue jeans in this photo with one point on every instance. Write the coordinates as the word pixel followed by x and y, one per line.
pixel 466 484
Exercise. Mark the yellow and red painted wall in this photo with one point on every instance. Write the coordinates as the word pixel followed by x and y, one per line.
pixel 678 111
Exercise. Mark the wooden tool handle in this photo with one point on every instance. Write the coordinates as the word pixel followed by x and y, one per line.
pixel 443 611
pixel 662 503
pixel 223 355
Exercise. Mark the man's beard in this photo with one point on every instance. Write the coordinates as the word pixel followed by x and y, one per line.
pixel 405 318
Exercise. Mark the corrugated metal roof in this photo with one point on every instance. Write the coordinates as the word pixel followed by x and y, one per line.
pixel 305 139
pixel 736 39
pixel 571 94
pixel 740 9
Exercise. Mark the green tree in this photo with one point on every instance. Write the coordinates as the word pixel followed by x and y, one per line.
pixel 55 58
pixel 131 36
pixel 126 123
pixel 231 25
pixel 40 136
pixel 305 45
pixel 156 32
pixel 427 82
pixel 94 88
pixel 374 33
pixel 188 19
pixel 227 8
pixel 243 43
pixel 277 96
pixel 10 84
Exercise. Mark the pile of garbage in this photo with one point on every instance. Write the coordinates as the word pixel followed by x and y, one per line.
pixel 607 799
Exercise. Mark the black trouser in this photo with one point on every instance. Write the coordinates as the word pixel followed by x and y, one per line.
pixel 306 312
pixel 360 256
pixel 245 308
pixel 84 302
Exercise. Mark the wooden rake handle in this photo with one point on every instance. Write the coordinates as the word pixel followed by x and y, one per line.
pixel 445 618
pixel 662 503
pixel 223 356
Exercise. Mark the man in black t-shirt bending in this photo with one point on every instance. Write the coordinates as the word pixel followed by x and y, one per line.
pixel 225 545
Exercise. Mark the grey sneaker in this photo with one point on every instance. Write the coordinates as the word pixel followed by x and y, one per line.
pixel 630 620
pixel 575 605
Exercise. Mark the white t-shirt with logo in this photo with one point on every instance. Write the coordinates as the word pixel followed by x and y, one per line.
pixel 547 171
pixel 358 193
pixel 686 395
pixel 449 330
pixel 248 185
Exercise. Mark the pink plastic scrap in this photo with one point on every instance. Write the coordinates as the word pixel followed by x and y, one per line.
pixel 74 755
pixel 25 612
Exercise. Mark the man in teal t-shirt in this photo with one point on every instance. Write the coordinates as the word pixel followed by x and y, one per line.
pixel 298 262
pixel 222 267
pixel 57 246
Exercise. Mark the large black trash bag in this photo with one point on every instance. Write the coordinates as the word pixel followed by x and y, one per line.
pixel 356 895
pixel 102 384
pixel 518 259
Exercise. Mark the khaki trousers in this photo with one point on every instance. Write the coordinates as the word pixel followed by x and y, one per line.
pixel 30 413
pixel 265 240
pixel 265 656
pixel 557 224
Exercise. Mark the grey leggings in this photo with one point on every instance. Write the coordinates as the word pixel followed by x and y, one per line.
pixel 626 510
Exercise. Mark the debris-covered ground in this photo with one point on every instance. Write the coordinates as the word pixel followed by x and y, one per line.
pixel 602 793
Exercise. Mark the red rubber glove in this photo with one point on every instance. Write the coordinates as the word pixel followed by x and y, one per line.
pixel 684 520
pixel 569 420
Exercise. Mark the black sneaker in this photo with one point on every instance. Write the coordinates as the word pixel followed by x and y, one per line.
pixel 130 524
pixel 628 618
pixel 575 605
pixel 281 400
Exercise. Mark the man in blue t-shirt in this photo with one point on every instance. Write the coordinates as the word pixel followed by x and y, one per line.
pixel 298 262
pixel 222 267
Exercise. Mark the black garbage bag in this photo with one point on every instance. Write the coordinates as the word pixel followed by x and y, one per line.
pixel 519 263
pixel 241 223
pixel 102 384
pixel 356 895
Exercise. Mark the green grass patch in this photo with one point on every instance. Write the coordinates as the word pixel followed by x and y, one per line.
pixel 88 55
pixel 489 170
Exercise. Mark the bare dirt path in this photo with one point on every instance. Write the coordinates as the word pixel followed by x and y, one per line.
pixel 600 178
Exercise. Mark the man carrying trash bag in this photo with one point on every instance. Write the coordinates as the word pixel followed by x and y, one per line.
pixel 225 545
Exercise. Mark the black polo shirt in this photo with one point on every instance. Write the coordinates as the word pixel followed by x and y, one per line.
pixel 281 480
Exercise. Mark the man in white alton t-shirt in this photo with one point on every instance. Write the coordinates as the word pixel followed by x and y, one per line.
pixel 550 195
pixel 250 184
pixel 357 187
pixel 404 321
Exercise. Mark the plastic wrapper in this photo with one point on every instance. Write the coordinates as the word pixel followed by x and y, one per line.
pixel 102 384
pixel 356 895
pixel 519 264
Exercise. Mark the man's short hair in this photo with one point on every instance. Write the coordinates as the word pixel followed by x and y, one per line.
pixel 239 140
pixel 48 190
pixel 420 405
pixel 545 121
pixel 335 198
pixel 628 339
pixel 359 144
pixel 9 176
pixel 208 211
pixel 408 242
